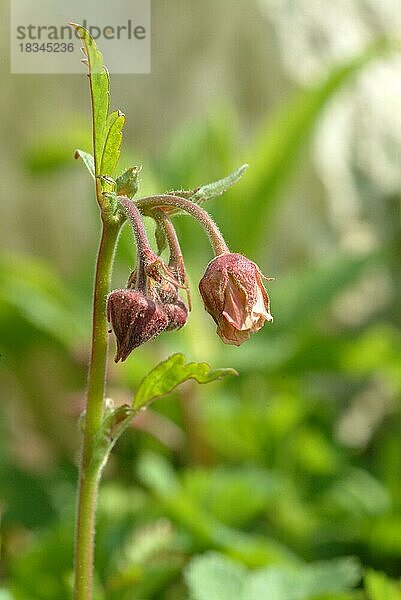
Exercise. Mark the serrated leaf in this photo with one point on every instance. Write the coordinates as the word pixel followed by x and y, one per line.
pixel 380 587
pixel 100 91
pixel 211 190
pixel 164 378
pixel 208 191
pixel 112 144
pixel 88 161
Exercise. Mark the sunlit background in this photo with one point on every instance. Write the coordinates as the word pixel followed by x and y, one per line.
pixel 250 481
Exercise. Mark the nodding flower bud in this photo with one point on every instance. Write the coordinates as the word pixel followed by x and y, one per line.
pixel 135 319
pixel 233 294
pixel 177 314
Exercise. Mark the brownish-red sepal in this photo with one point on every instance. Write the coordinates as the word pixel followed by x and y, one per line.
pixel 135 319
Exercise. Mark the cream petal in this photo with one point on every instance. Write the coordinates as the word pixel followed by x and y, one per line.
pixel 259 308
pixel 235 309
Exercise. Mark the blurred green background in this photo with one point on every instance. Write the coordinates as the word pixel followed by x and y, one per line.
pixel 257 486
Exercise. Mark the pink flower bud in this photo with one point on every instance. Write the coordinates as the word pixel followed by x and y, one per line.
pixel 233 293
pixel 135 319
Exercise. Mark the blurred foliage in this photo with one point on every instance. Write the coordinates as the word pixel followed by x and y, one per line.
pixel 283 483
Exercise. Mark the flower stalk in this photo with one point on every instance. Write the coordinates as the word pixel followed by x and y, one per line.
pixel 176 259
pixel 164 200
pixel 90 468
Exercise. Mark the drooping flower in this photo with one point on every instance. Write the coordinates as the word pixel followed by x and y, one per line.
pixel 151 303
pixel 233 294
pixel 135 319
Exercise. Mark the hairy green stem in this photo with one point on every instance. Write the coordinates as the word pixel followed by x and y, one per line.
pixel 216 239
pixel 90 467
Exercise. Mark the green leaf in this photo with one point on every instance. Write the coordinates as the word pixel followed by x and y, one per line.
pixel 113 137
pixel 234 495
pixel 300 297
pixel 212 576
pixel 275 153
pixel 49 554
pixel 51 148
pixel 208 191
pixel 158 474
pixel 252 549
pixel 100 92
pixel 380 587
pixel 31 289
pixel 128 182
pixel 305 582
pixel 211 190
pixel 164 378
pixel 358 493
pixel 87 160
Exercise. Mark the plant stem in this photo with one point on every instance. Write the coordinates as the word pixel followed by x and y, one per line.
pixel 216 239
pixel 142 243
pixel 90 467
pixel 171 235
pixel 176 260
